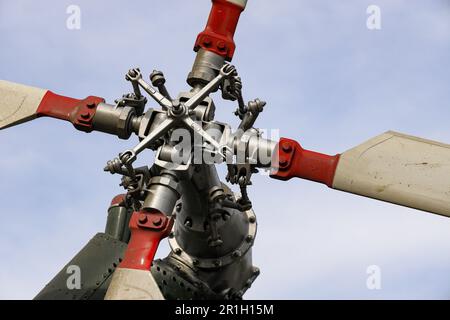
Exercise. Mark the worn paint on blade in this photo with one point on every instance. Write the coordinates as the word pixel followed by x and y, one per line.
pixel 18 103
pixel 133 284
pixel 398 168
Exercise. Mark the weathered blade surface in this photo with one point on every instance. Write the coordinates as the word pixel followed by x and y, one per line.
pixel 133 280
pixel 133 284
pixel 18 103
pixel 398 168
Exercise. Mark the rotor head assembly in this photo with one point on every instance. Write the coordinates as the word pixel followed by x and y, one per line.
pixel 179 195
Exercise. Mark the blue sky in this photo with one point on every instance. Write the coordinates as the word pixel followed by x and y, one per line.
pixel 330 83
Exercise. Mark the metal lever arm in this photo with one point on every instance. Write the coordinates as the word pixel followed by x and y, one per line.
pixel 197 129
pixel 135 76
pixel 227 71
pixel 129 156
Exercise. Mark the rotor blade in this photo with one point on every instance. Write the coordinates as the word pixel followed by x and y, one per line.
pixel 392 167
pixel 133 284
pixel 94 265
pixel 20 103
pixel 133 280
pixel 220 28
pixel 398 168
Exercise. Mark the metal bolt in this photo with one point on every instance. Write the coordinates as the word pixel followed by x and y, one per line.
pixel 177 108
pixel 179 206
pixel 157 78
pixel 286 147
pixel 132 73
pixel 157 222
pixel 249 238
pixel 177 251
pixel 143 218
pixel 252 219
pixel 176 103
pixel 207 41
pixel 85 115
pixel 283 161
pixel 237 254
pixel 171 235
pixel 217 263
pixel 196 262
pixel 188 222
pixel 221 45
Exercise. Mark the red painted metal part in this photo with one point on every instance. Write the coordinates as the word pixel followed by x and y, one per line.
pixel 148 228
pixel 79 112
pixel 291 160
pixel 118 200
pixel 219 32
